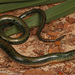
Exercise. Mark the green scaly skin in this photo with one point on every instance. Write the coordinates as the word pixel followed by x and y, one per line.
pixel 7 21
pixel 35 61
pixel 29 61
pixel 41 26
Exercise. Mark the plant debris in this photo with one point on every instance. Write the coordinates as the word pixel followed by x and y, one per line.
pixel 33 47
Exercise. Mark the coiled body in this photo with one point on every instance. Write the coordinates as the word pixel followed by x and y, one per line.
pixel 29 61
pixel 7 21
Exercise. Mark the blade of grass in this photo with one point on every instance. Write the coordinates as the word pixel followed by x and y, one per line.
pixel 53 13
pixel 12 6
pixel 10 1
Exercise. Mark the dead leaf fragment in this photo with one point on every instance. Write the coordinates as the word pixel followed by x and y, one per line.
pixel 52 33
pixel 70 20
pixel 57 43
